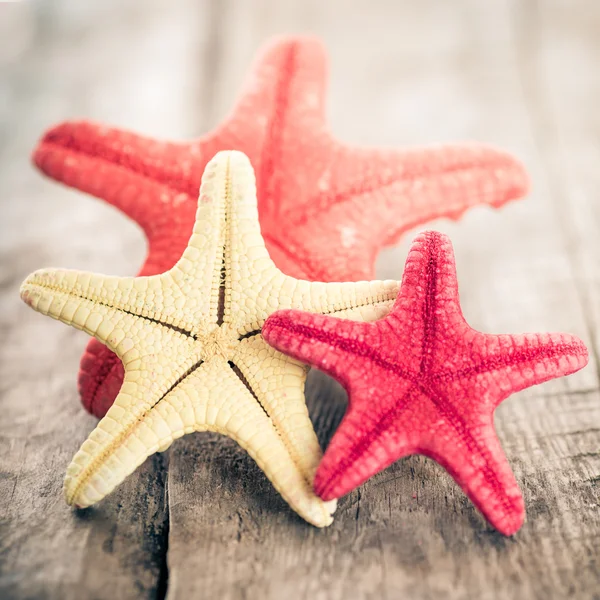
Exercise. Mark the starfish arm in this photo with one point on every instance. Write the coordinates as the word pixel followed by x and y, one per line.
pixel 333 345
pixel 208 399
pixel 427 312
pixel 70 297
pixel 282 109
pixel 278 383
pixel 144 178
pixel 395 190
pixel 478 464
pixel 57 292
pixel 364 301
pixel 132 338
pixel 496 366
pixel 368 440
pixel 286 84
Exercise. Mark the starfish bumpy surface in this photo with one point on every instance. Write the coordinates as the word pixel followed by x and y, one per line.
pixel 422 381
pixel 192 350
pixel 341 204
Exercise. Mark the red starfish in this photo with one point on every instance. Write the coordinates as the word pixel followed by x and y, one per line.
pixel 422 381
pixel 315 194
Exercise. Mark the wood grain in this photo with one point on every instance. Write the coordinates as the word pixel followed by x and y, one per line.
pixel 202 520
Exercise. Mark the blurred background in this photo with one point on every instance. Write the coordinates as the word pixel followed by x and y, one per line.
pixel 523 75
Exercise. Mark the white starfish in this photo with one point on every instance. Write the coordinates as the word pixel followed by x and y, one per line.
pixel 192 350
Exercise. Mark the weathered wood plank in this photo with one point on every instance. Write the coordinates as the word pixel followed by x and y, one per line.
pixel 403 73
pixel 561 85
pixel 407 73
pixel 123 63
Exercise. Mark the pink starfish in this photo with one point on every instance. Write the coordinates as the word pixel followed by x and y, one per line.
pixel 421 381
pixel 326 209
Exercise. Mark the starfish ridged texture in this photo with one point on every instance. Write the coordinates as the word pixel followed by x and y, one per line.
pixel 341 204
pixel 422 381
pixel 192 351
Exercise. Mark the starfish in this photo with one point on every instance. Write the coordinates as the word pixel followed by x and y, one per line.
pixel 342 204
pixel 421 381
pixel 192 350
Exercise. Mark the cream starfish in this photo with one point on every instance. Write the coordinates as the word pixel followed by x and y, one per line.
pixel 192 349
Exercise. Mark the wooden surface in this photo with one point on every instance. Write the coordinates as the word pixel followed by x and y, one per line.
pixel 201 521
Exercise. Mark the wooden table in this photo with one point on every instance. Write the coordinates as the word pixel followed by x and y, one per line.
pixel 201 521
